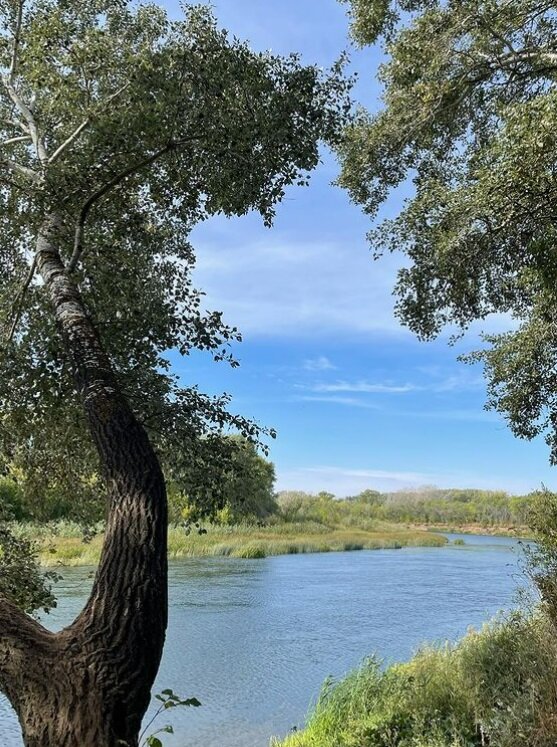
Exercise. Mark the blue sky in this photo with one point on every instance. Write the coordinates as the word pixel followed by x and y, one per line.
pixel 357 401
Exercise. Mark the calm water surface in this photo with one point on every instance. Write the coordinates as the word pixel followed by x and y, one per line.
pixel 253 640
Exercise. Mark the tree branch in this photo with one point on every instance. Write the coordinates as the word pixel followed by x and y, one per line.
pixel 28 117
pixel 18 302
pixel 106 188
pixel 17 38
pixel 16 624
pixel 18 139
pixel 77 132
pixel 547 58
pixel 66 144
pixel 496 34
pixel 8 80
pixel 20 636
pixel 20 169
pixel 17 124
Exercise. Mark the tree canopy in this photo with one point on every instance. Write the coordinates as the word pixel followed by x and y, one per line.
pixel 134 128
pixel 119 131
pixel 245 489
pixel 469 117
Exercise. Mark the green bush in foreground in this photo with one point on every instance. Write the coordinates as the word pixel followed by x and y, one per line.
pixel 496 687
pixel 21 579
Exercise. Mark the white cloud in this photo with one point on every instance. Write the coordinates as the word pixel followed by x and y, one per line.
pixel 457 383
pixel 348 401
pixel 465 379
pixel 298 289
pixel 461 381
pixel 365 387
pixel 471 415
pixel 343 482
pixel 283 287
pixel 322 363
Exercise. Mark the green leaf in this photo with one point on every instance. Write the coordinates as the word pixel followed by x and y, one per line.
pixel 190 702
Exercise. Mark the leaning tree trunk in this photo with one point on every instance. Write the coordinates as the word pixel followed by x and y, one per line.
pixel 89 685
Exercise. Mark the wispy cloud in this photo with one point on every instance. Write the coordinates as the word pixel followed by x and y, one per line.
pixel 322 363
pixel 281 287
pixel 365 387
pixel 465 379
pixel 472 415
pixel 290 289
pixel 436 384
pixel 346 481
pixel 347 401
pixel 410 477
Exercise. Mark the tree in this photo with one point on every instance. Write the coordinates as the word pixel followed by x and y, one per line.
pixel 242 483
pixel 470 118
pixel 248 484
pixel 119 130
pixel 291 504
pixel 370 497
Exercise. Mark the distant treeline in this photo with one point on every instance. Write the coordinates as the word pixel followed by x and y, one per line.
pixel 456 507
pixel 250 498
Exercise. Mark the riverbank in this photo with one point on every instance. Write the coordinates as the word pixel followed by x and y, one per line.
pixel 517 532
pixel 496 686
pixel 63 544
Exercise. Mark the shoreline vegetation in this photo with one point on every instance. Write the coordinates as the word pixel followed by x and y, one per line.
pixel 63 544
pixel 494 686
pixel 516 532
pixel 297 522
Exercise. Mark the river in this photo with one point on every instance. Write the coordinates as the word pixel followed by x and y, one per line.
pixel 253 640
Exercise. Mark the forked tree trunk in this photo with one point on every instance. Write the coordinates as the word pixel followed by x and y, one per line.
pixel 89 685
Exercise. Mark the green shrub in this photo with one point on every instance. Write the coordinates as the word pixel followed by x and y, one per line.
pixel 21 579
pixel 11 500
pixel 496 687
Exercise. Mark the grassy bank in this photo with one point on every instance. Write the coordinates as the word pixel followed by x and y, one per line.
pixel 63 543
pixel 495 687
pixel 520 532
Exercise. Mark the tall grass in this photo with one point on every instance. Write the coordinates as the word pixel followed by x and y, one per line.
pixel 496 687
pixel 63 544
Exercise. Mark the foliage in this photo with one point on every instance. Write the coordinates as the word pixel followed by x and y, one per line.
pixel 132 128
pixel 249 484
pixel 542 554
pixel 246 489
pixel 245 485
pixel 451 507
pixel 62 543
pixel 495 687
pixel 11 500
pixel 167 699
pixel 470 118
pixel 21 579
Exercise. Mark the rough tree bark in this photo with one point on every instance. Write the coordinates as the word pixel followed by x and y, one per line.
pixel 89 685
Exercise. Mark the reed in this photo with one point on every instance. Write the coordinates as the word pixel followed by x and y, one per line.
pixel 494 687
pixel 63 543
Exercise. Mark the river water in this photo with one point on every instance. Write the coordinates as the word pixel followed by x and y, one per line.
pixel 253 640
